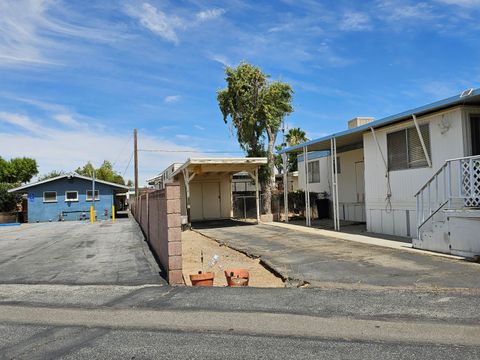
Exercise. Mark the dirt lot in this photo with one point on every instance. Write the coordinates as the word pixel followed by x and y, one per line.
pixel 192 245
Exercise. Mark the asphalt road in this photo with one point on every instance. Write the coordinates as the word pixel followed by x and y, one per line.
pixel 147 322
pixel 327 261
pixel 80 291
pixel 76 253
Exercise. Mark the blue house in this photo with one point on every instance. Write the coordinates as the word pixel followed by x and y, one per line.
pixel 69 197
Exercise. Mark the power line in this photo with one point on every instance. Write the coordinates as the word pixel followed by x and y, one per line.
pixel 122 151
pixel 129 161
pixel 192 151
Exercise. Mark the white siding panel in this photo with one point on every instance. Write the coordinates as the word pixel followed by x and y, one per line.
pixel 405 183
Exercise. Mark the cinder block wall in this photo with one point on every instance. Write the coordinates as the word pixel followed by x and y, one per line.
pixel 160 219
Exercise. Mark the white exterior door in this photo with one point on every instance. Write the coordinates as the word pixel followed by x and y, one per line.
pixel 211 200
pixel 360 181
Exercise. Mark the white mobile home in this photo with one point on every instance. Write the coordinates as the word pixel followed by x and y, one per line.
pixel 421 174
pixel 206 185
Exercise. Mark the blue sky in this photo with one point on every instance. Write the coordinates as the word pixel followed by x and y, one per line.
pixel 77 76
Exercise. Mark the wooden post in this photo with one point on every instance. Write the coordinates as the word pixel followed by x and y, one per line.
pixel 257 195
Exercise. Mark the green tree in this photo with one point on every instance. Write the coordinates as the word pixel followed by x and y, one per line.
pixel 256 108
pixel 8 201
pixel 17 170
pixel 104 172
pixel 51 174
pixel 295 136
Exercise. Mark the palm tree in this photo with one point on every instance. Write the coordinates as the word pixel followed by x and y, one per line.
pixel 295 136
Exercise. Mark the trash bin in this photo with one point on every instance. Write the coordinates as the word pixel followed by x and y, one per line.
pixel 323 208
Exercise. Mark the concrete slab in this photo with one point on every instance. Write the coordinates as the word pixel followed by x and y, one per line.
pixel 77 253
pixel 323 260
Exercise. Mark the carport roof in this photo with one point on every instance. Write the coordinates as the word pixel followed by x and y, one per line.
pixel 222 164
pixel 27 186
pixel 355 135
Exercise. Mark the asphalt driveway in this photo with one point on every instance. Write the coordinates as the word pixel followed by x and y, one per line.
pixel 76 253
pixel 327 261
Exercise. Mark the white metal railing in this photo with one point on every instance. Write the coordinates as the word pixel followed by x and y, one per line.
pixel 455 185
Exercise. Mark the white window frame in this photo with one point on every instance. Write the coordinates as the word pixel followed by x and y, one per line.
pixel 311 174
pixel 50 201
pixel 97 195
pixel 408 149
pixel 71 200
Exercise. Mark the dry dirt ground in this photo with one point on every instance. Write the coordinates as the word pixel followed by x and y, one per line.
pixel 194 243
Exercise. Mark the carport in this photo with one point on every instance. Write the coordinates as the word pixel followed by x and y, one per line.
pixel 207 190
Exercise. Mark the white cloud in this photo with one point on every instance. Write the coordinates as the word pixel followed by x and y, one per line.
pixel 328 56
pixel 462 3
pixel 172 99
pixel 209 14
pixel 166 25
pixel 67 119
pixel 355 21
pixel 222 59
pixel 67 149
pixel 21 121
pixel 183 137
pixel 156 21
pixel 396 11
pixel 198 127
pixel 31 35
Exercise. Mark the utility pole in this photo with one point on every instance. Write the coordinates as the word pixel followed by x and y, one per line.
pixel 135 160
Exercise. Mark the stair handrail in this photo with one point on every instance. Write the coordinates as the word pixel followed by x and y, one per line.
pixel 429 181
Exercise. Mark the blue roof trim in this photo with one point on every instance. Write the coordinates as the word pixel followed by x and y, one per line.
pixel 314 155
pixel 449 102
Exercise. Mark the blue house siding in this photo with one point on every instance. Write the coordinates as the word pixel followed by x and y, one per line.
pixel 39 211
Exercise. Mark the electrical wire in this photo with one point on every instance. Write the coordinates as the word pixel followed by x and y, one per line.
pixel 122 150
pixel 128 165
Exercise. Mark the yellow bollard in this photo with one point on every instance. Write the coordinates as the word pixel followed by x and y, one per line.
pixel 113 213
pixel 92 215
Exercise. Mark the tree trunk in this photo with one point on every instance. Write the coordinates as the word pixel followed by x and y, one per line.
pixel 270 185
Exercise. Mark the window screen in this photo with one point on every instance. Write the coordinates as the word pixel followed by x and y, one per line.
pixel 71 196
pixel 89 195
pixel 50 196
pixel 314 172
pixel 405 149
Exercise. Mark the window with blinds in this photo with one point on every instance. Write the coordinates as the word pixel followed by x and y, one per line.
pixel 405 149
pixel 314 171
